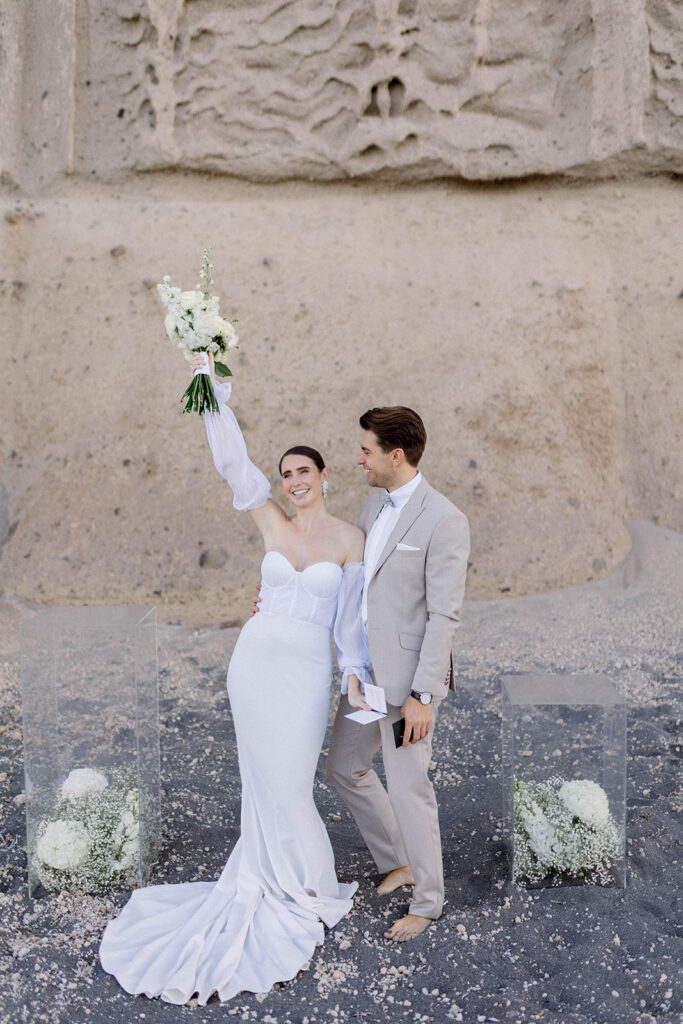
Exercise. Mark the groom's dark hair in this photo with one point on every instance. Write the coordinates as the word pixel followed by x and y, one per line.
pixel 396 426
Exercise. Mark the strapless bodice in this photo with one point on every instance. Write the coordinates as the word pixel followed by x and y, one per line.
pixel 321 578
pixel 309 594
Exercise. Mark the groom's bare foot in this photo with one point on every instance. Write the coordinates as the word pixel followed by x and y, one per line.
pixel 395 879
pixel 407 928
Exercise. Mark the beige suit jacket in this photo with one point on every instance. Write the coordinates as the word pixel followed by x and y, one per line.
pixel 415 594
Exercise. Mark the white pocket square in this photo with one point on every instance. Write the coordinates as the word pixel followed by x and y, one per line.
pixel 405 547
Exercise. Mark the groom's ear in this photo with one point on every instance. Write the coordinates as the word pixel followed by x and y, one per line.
pixel 398 457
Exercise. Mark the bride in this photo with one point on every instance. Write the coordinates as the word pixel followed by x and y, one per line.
pixel 261 921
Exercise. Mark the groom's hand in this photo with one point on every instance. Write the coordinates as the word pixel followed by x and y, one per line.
pixel 418 720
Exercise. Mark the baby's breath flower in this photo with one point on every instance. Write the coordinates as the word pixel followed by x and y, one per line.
pixel 93 838
pixel 563 830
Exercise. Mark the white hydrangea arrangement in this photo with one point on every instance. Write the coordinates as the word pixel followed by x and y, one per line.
pixel 194 324
pixel 563 830
pixel 80 781
pixel 91 840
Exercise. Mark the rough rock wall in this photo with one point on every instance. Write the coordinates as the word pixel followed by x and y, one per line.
pixel 537 329
pixel 331 89
pixel 535 324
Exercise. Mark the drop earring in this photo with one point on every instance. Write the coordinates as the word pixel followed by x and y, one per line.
pixel 325 486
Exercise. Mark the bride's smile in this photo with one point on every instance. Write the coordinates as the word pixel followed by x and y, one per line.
pixel 302 483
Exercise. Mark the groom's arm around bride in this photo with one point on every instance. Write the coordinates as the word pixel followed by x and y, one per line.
pixel 415 564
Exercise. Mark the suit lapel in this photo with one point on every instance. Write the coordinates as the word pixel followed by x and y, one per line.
pixel 413 509
pixel 370 512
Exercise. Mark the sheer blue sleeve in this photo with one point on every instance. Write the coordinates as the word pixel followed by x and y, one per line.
pixel 249 486
pixel 350 635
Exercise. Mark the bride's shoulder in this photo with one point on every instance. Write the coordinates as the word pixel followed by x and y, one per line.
pixel 354 541
pixel 346 529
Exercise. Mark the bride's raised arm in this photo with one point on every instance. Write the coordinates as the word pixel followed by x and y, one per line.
pixel 250 488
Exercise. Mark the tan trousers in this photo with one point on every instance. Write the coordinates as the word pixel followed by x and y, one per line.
pixel 400 824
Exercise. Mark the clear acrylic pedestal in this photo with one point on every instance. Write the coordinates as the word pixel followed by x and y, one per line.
pixel 563 737
pixel 91 747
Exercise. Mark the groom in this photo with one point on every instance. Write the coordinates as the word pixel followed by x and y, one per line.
pixel 416 549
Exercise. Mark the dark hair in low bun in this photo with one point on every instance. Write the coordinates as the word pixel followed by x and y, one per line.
pixel 309 453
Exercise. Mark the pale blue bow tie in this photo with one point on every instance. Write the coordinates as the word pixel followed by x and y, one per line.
pixel 388 502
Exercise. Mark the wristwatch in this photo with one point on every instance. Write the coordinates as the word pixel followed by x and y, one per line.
pixel 424 698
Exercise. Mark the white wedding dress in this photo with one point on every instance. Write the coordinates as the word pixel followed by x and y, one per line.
pixel 261 921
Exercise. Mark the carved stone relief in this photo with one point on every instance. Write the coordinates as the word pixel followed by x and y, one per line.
pixel 407 89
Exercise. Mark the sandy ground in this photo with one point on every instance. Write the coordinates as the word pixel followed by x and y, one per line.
pixel 579 955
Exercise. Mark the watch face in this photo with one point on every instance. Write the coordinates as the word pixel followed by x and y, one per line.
pixel 425 698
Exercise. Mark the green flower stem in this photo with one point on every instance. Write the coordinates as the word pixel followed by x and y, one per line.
pixel 200 395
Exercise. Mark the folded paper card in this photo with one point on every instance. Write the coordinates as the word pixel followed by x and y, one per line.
pixel 374 695
pixel 365 717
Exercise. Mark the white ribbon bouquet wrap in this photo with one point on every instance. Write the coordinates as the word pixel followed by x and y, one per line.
pixel 194 324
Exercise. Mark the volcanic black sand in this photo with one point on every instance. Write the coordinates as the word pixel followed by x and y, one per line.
pixel 499 952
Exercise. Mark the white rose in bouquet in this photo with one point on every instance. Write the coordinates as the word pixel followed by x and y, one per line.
pixel 188 300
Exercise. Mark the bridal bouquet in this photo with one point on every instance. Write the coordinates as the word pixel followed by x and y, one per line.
pixel 194 324
pixel 91 840
pixel 563 830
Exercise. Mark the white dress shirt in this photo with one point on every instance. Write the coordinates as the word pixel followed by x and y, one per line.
pixel 380 530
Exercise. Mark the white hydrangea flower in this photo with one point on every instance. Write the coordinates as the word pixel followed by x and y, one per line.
pixel 80 781
pixel 63 844
pixel 541 833
pixel 128 856
pixel 127 828
pixel 130 823
pixel 126 838
pixel 586 800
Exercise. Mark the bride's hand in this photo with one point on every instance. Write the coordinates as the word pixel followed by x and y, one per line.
pixel 355 695
pixel 199 360
pixel 255 602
